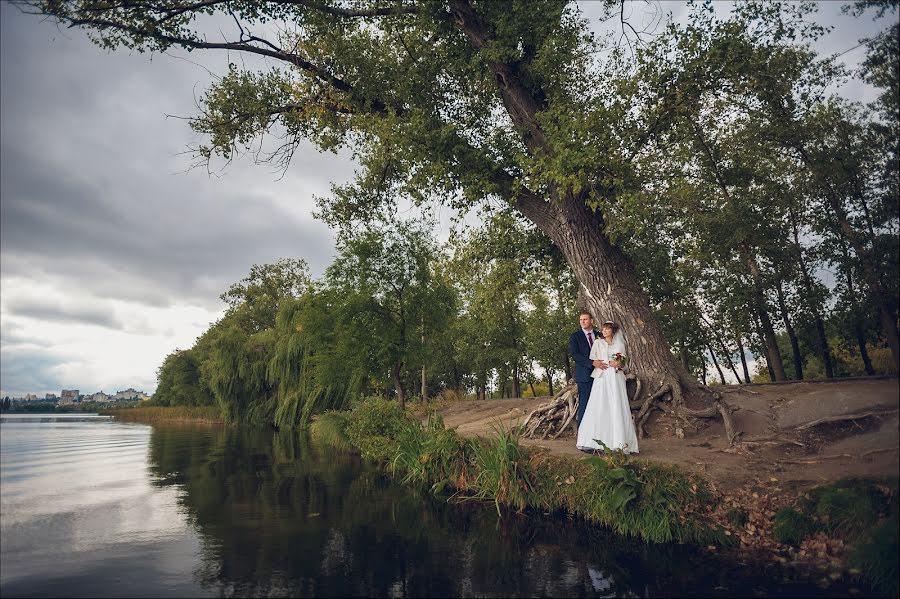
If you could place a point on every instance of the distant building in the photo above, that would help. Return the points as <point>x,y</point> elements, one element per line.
<point>100,397</point>
<point>31,397</point>
<point>128,394</point>
<point>50,397</point>
<point>70,394</point>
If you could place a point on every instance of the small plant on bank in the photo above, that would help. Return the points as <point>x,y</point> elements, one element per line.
<point>737,517</point>
<point>863,512</point>
<point>877,554</point>
<point>790,526</point>
<point>433,454</point>
<point>502,468</point>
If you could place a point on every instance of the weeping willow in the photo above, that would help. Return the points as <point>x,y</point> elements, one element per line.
<point>310,369</point>
<point>236,374</point>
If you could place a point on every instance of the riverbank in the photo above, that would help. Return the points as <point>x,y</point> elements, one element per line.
<point>164,414</point>
<point>812,485</point>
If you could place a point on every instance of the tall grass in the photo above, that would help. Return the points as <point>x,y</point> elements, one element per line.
<point>202,414</point>
<point>655,502</point>
<point>502,469</point>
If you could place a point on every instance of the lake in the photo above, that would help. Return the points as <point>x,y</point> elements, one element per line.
<point>90,507</point>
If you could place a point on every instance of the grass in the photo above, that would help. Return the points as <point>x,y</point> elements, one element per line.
<point>655,502</point>
<point>791,527</point>
<point>201,414</point>
<point>863,512</point>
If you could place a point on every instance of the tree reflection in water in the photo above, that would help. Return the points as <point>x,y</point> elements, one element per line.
<point>279,516</point>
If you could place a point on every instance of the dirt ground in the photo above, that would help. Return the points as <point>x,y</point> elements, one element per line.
<point>777,453</point>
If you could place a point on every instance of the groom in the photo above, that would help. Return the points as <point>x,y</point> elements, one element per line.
<point>580,343</point>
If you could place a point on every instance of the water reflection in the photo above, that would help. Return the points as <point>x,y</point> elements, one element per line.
<point>116,510</point>
<point>278,516</point>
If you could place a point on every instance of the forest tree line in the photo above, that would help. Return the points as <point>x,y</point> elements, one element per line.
<point>710,173</point>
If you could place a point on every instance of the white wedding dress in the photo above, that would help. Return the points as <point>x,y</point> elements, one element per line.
<point>608,416</point>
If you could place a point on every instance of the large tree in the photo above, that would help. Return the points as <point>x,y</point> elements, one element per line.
<point>460,102</point>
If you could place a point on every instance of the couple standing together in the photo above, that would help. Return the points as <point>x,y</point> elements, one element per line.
<point>603,411</point>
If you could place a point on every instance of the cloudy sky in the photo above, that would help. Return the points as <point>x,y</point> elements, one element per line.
<point>113,252</point>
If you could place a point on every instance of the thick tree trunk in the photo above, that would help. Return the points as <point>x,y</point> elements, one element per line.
<point>740,345</point>
<point>550,383</point>
<point>531,386</point>
<point>795,344</point>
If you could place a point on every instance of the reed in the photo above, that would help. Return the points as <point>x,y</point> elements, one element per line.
<point>199,414</point>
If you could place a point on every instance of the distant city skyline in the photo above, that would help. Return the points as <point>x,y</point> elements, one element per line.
<point>113,252</point>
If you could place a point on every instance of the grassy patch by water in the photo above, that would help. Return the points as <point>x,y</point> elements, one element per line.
<point>862,512</point>
<point>658,503</point>
<point>200,414</point>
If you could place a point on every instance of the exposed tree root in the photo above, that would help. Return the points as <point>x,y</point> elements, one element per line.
<point>842,418</point>
<point>553,418</point>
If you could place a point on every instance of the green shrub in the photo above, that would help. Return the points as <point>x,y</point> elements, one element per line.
<point>657,502</point>
<point>790,526</point>
<point>375,427</point>
<point>876,556</point>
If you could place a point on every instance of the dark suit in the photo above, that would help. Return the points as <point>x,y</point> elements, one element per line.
<point>580,352</point>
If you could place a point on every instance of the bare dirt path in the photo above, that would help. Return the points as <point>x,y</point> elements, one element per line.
<point>781,451</point>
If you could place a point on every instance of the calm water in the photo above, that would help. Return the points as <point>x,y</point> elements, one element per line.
<point>91,507</point>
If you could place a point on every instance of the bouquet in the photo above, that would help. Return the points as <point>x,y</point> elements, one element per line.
<point>621,358</point>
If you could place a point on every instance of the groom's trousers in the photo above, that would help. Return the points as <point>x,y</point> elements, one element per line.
<point>584,393</point>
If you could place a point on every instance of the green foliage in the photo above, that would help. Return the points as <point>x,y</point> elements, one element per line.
<point>501,466</point>
<point>330,428</point>
<point>877,555</point>
<point>791,527</point>
<point>737,517</point>
<point>376,426</point>
<point>656,502</point>
<point>431,455</point>
<point>178,382</point>
<point>848,507</point>
<point>256,298</point>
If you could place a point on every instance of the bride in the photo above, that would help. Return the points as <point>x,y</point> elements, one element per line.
<point>608,416</point>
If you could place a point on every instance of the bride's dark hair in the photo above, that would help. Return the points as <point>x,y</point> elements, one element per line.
<point>612,325</point>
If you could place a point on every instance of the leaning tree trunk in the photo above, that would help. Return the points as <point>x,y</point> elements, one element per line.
<point>740,345</point>
<point>824,348</point>
<point>609,289</point>
<point>795,344</point>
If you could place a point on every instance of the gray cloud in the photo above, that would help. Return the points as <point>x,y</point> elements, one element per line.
<point>26,371</point>
<point>54,310</point>
<point>94,193</point>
